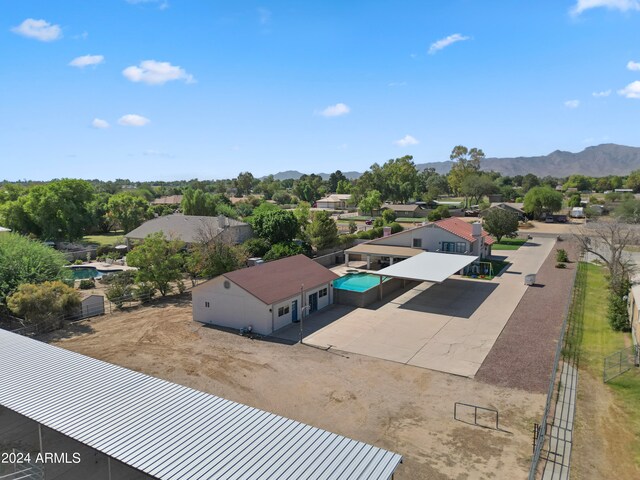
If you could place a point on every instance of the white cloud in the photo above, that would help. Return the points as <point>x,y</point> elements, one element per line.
<point>38,29</point>
<point>162,4</point>
<point>99,123</point>
<point>631,91</point>
<point>335,110</point>
<point>133,120</point>
<point>86,60</point>
<point>156,73</point>
<point>406,141</point>
<point>633,66</point>
<point>264,16</point>
<point>445,42</point>
<point>572,103</point>
<point>604,93</point>
<point>622,5</point>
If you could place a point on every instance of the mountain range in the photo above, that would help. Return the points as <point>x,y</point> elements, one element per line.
<point>596,161</point>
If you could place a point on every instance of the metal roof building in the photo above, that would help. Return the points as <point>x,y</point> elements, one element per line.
<point>428,267</point>
<point>170,431</point>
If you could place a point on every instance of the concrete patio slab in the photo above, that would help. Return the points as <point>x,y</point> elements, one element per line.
<point>450,327</point>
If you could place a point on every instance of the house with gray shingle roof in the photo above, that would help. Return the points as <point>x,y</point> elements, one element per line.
<point>193,229</point>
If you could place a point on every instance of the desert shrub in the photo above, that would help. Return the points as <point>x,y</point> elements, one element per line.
<point>561,255</point>
<point>617,313</point>
<point>284,249</point>
<point>561,265</point>
<point>378,222</point>
<point>87,284</point>
<point>144,291</point>
<point>78,262</point>
<point>396,227</point>
<point>44,302</point>
<point>353,227</point>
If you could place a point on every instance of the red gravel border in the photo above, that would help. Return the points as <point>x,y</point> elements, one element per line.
<point>523,354</point>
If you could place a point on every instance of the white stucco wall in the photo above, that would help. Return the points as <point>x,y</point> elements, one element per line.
<point>232,307</point>
<point>432,238</point>
<point>236,308</point>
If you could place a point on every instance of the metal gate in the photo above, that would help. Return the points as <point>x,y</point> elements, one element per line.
<point>620,362</point>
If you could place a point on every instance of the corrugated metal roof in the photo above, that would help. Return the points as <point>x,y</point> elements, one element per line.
<point>170,431</point>
<point>428,267</point>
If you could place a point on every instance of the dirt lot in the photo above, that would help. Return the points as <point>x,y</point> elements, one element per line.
<point>399,407</point>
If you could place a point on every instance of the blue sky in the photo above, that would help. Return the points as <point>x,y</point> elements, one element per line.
<point>180,89</point>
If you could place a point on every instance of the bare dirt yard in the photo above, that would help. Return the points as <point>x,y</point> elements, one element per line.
<point>399,407</point>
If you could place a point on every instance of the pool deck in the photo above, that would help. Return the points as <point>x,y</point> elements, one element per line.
<point>105,267</point>
<point>450,327</point>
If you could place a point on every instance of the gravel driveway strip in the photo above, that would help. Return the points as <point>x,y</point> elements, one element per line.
<point>522,357</point>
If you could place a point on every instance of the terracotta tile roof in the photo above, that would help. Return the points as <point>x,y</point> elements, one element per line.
<point>281,279</point>
<point>462,229</point>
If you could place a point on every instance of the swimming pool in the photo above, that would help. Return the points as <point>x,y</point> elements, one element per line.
<point>358,282</point>
<point>86,273</point>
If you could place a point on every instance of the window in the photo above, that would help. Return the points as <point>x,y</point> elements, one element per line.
<point>322,293</point>
<point>207,304</point>
<point>454,247</point>
<point>417,243</point>
<point>283,311</point>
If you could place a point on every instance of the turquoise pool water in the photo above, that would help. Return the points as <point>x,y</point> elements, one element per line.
<point>85,273</point>
<point>358,282</point>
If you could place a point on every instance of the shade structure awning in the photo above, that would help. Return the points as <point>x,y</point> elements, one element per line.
<point>169,431</point>
<point>428,267</point>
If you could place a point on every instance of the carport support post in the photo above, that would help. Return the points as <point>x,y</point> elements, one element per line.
<point>109,466</point>
<point>40,437</point>
<point>368,262</point>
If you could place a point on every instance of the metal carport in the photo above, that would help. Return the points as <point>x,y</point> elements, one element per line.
<point>427,267</point>
<point>169,431</point>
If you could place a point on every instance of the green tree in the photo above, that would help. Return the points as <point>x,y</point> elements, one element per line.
<point>476,186</point>
<point>541,200</point>
<point>60,208</point>
<point>198,202</point>
<point>371,202</point>
<point>628,211</point>
<point>282,197</point>
<point>127,210</point>
<point>309,188</point>
<point>574,200</point>
<point>159,261</point>
<point>256,247</point>
<point>44,302</point>
<point>276,226</point>
<point>99,209</point>
<point>26,261</point>
<point>244,183</point>
<point>633,181</point>
<point>303,215</point>
<point>344,186</point>
<point>215,258</point>
<point>529,181</point>
<point>323,231</point>
<point>334,180</point>
<point>499,222</point>
<point>284,249</point>
<point>465,162</point>
<point>388,216</point>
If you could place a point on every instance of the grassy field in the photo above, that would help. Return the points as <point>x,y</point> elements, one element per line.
<point>111,238</point>
<point>508,244</point>
<point>597,341</point>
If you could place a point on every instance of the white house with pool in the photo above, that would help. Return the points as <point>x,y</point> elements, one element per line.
<point>265,297</point>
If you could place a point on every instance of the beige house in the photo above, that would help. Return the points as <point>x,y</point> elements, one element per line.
<point>265,297</point>
<point>335,201</point>
<point>450,235</point>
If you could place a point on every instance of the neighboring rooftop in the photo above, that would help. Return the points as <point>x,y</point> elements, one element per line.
<point>281,279</point>
<point>336,197</point>
<point>462,229</point>
<point>188,228</point>
<point>168,200</point>
<point>170,431</point>
<point>401,207</point>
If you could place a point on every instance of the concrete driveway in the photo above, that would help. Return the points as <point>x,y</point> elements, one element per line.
<point>450,327</point>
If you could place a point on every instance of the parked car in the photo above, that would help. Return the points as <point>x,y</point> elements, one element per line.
<point>369,222</point>
<point>471,212</point>
<point>549,219</point>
